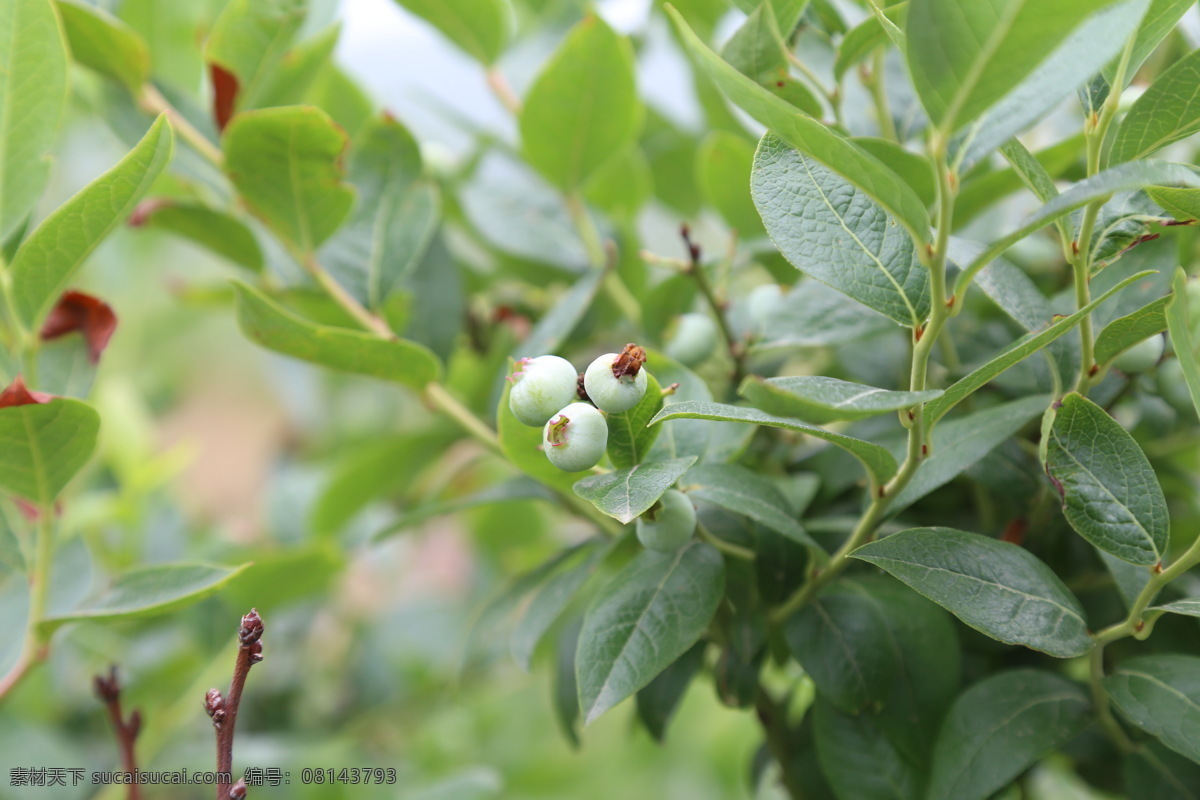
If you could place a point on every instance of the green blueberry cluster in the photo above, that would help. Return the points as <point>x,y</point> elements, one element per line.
<point>570,408</point>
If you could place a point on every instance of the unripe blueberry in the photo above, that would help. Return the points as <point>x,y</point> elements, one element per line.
<point>1172,386</point>
<point>540,387</point>
<point>672,525</point>
<point>1141,357</point>
<point>616,382</point>
<point>576,437</point>
<point>693,340</point>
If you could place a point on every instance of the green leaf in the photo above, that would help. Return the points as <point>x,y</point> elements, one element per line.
<point>960,443</point>
<point>1183,204</point>
<point>550,600</point>
<point>481,28</point>
<point>1152,772</point>
<point>299,69</point>
<point>999,727</point>
<point>583,107</point>
<point>34,86</point>
<point>629,435</point>
<point>879,463</point>
<point>395,218</point>
<point>1094,42</point>
<point>1121,178</point>
<point>398,360</point>
<point>45,445</point>
<point>915,169</point>
<point>747,493</point>
<point>148,591</point>
<point>995,587</point>
<point>626,493</point>
<point>622,185</point>
<point>657,702</point>
<point>1110,494</point>
<point>1161,695</point>
<point>858,759</point>
<point>828,229</point>
<point>1166,112</point>
<point>566,692</point>
<point>865,37</point>
<point>861,169</point>
<point>49,258</point>
<point>215,230</point>
<point>756,50</point>
<point>1124,332</point>
<point>1189,607</point>
<point>285,162</point>
<point>104,43</point>
<point>249,40</point>
<point>1014,354</point>
<point>1180,331</point>
<point>820,400</point>
<point>642,620</point>
<point>963,57</point>
<point>723,164</point>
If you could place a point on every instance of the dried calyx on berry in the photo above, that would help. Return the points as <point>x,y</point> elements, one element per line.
<point>616,382</point>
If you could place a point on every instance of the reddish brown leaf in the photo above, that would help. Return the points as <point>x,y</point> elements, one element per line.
<point>18,394</point>
<point>225,92</point>
<point>88,315</point>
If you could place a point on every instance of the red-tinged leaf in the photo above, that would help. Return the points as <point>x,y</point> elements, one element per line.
<point>225,92</point>
<point>90,316</point>
<point>18,394</point>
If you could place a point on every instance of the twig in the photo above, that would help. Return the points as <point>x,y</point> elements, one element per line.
<point>108,689</point>
<point>695,269</point>
<point>152,101</point>
<point>503,91</point>
<point>223,710</point>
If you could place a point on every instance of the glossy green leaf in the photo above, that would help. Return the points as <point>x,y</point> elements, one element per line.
<point>859,168</point>
<point>626,493</point>
<point>828,229</point>
<point>1098,38</point>
<point>629,435</point>
<point>879,463</point>
<point>548,602</point>
<point>33,85</point>
<point>1157,23</point>
<point>723,164</point>
<point>398,360</point>
<point>148,591</point>
<point>957,445</point>
<point>49,258</point>
<point>394,220</point>
<point>1110,493</point>
<point>659,700</point>
<point>995,587</point>
<point>756,49</point>
<point>1166,112</point>
<point>286,163</point>
<point>642,620</point>
<point>583,107</point>
<point>963,57</point>
<point>104,43</point>
<point>1124,332</point>
<point>45,445</point>
<point>1161,695</point>
<point>1017,352</point>
<point>249,40</point>
<point>481,28</point>
<point>1179,328</point>
<point>747,493</point>
<point>999,727</point>
<point>215,230</point>
<point>1121,178</point>
<point>820,400</point>
<point>858,760</point>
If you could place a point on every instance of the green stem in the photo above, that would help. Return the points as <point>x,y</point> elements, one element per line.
<point>602,257</point>
<point>152,101</point>
<point>36,647</point>
<point>883,111</point>
<point>436,395</point>
<point>729,548</point>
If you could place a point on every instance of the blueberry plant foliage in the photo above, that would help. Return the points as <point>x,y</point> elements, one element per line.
<point>906,466</point>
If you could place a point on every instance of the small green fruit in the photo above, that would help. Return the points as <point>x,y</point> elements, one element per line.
<point>693,340</point>
<point>1172,386</point>
<point>1141,357</point>
<point>616,382</point>
<point>540,387</point>
<point>672,525</point>
<point>576,437</point>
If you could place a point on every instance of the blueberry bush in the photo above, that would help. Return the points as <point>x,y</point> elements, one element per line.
<point>834,358</point>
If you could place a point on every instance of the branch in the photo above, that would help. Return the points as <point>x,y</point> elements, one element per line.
<point>108,689</point>
<point>223,710</point>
